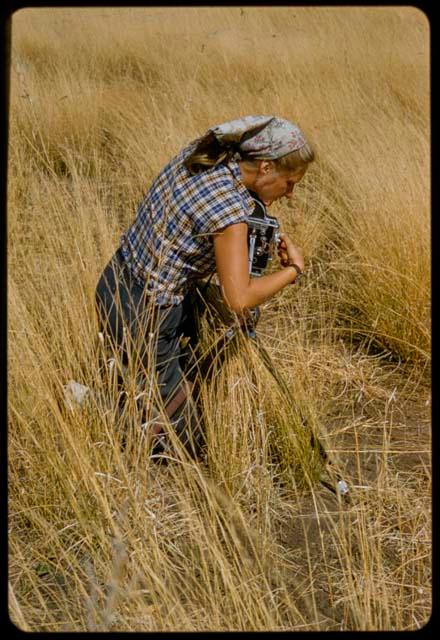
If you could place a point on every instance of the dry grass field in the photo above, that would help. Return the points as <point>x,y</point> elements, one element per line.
<point>100,537</point>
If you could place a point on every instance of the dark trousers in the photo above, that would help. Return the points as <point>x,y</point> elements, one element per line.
<point>149,337</point>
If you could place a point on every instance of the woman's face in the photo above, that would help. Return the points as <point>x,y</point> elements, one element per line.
<point>272,183</point>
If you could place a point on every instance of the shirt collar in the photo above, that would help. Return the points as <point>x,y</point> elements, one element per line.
<point>235,170</point>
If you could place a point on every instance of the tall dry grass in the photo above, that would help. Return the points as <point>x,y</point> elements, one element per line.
<point>102,538</point>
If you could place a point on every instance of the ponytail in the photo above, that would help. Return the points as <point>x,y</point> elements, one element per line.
<point>208,153</point>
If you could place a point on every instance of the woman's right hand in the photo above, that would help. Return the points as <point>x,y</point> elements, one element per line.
<point>289,253</point>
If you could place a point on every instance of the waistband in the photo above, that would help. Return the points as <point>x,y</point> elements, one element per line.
<point>119,257</point>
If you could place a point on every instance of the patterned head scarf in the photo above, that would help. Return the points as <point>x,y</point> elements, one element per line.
<point>257,137</point>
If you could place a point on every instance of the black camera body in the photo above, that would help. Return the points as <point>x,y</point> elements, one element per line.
<point>263,237</point>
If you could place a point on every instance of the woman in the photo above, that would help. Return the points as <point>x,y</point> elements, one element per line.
<point>191,223</point>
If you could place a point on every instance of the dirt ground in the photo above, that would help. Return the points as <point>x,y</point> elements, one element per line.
<point>408,459</point>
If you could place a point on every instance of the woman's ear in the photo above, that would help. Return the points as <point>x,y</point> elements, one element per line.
<point>266,167</point>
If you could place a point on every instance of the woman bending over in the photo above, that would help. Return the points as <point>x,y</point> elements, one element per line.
<point>191,223</point>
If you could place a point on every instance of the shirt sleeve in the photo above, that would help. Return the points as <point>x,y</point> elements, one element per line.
<point>220,206</point>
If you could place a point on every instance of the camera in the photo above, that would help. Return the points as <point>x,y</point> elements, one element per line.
<point>263,237</point>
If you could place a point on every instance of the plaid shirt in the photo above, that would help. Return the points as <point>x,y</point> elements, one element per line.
<point>170,242</point>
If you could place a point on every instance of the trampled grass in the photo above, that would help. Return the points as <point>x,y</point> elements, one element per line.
<point>100,536</point>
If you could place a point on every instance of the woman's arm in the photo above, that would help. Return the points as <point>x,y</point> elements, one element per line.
<point>239,290</point>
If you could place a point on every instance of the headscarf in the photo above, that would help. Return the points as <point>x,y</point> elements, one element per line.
<point>260,136</point>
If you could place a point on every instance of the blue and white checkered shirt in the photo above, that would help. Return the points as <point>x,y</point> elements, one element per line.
<point>170,242</point>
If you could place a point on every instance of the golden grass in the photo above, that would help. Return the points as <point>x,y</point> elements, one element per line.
<point>102,538</point>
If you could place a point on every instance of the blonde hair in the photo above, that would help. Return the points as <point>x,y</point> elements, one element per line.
<point>209,152</point>
<point>296,159</point>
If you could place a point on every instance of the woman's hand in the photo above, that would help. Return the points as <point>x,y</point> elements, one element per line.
<point>288,252</point>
